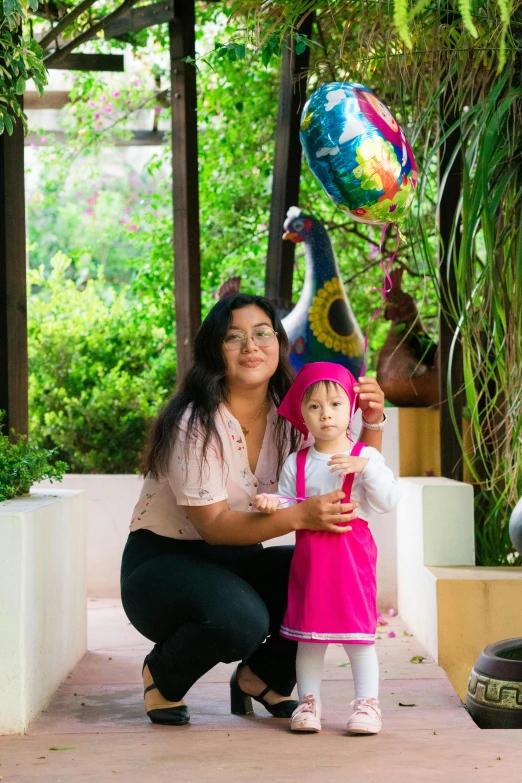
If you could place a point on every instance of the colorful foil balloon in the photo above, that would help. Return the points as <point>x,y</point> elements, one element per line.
<point>359,153</point>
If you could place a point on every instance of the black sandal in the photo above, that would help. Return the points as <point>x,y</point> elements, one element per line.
<point>168,716</point>
<point>241,702</point>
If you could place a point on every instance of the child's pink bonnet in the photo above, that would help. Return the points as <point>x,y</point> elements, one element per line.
<point>315,372</point>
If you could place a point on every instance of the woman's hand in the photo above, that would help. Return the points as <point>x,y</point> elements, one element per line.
<point>268,504</point>
<point>346,464</point>
<point>371,399</point>
<point>325,512</point>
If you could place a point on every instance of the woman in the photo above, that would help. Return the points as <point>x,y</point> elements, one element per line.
<point>195,579</point>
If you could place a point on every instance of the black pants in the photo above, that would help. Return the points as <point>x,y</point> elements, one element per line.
<point>204,604</point>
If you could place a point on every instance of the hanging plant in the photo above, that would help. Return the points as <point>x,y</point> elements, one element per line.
<point>20,60</point>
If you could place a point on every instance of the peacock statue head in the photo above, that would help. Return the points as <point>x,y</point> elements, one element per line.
<point>300,227</point>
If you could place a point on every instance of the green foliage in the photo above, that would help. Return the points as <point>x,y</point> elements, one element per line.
<point>487,262</point>
<point>424,33</point>
<point>22,463</point>
<point>20,60</point>
<point>101,363</point>
<point>76,204</point>
<point>400,19</point>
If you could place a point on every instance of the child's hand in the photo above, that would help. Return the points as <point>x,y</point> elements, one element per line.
<point>346,464</point>
<point>266,503</point>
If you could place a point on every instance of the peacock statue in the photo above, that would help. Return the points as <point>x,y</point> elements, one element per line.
<point>321,326</point>
<point>407,367</point>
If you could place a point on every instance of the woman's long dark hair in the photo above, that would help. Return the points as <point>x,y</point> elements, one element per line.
<point>205,388</point>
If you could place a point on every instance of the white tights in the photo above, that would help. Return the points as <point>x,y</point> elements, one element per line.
<point>363,660</point>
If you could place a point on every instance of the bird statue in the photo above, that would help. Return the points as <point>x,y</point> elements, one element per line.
<point>407,367</point>
<point>322,326</point>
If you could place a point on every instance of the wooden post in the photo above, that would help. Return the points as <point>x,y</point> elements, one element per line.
<point>287,167</point>
<point>13,298</point>
<point>451,460</point>
<point>187,283</point>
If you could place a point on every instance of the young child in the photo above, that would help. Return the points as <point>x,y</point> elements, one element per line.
<point>332,585</point>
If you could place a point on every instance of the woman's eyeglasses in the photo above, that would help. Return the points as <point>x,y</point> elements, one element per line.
<point>263,337</point>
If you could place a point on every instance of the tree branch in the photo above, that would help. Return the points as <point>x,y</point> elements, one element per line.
<point>350,228</point>
<point>325,50</point>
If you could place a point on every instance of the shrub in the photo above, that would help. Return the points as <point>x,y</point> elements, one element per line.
<point>22,463</point>
<point>100,365</point>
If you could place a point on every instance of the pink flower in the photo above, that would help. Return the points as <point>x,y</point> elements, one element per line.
<point>124,221</point>
<point>108,108</point>
<point>96,115</point>
<point>391,635</point>
<point>91,104</point>
<point>32,145</point>
<point>44,139</point>
<point>392,612</point>
<point>157,109</point>
<point>133,227</point>
<point>116,94</point>
<point>103,98</point>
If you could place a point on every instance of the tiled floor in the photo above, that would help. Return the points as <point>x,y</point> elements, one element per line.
<point>97,717</point>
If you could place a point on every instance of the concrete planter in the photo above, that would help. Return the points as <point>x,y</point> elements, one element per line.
<point>454,607</point>
<point>43,607</point>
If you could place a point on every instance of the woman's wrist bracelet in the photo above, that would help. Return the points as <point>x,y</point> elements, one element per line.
<point>378,427</point>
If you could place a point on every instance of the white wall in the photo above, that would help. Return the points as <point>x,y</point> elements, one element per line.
<point>43,607</point>
<point>110,502</point>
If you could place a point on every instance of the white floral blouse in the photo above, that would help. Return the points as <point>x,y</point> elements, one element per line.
<point>161,507</point>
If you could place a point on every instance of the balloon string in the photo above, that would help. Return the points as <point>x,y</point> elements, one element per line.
<point>286,497</point>
<point>387,286</point>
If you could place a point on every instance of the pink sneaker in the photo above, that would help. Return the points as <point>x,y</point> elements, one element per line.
<point>307,716</point>
<point>366,718</point>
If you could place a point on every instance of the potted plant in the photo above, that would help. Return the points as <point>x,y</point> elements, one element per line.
<point>22,463</point>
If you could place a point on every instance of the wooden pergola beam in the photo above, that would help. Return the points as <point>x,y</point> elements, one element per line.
<point>287,167</point>
<point>88,62</point>
<point>13,302</point>
<point>64,22</point>
<point>139,139</point>
<point>87,35</point>
<point>51,99</point>
<point>185,194</point>
<point>450,350</point>
<point>135,19</point>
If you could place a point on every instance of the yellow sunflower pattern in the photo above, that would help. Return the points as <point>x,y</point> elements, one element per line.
<point>331,293</point>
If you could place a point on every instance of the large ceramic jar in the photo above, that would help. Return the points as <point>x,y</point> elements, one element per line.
<point>494,696</point>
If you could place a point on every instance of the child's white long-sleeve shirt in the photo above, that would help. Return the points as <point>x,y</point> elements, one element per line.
<point>375,489</point>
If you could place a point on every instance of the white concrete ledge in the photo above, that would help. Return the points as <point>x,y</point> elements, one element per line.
<point>435,527</point>
<point>43,607</point>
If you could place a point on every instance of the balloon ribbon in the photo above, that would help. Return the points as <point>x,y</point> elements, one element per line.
<point>387,286</point>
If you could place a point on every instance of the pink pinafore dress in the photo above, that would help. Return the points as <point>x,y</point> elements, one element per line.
<point>332,585</point>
